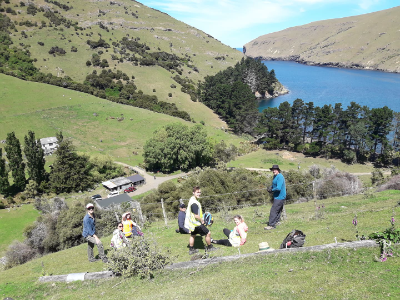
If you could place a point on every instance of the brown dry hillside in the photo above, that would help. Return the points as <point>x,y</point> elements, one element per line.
<point>370,41</point>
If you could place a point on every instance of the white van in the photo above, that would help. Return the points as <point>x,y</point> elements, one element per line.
<point>112,194</point>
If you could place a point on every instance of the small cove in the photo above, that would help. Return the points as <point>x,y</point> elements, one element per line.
<point>325,85</point>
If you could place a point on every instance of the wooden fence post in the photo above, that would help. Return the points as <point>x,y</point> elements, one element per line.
<point>181,201</point>
<point>163,210</point>
<point>116,216</point>
<point>136,205</point>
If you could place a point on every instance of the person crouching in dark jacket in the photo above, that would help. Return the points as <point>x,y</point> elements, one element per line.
<point>181,220</point>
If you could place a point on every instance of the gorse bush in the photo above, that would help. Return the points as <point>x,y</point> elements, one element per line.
<point>141,258</point>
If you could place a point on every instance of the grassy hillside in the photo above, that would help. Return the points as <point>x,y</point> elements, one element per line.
<point>369,41</point>
<point>317,275</point>
<point>45,109</point>
<point>112,21</point>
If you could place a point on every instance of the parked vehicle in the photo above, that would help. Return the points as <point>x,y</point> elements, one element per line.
<point>130,189</point>
<point>112,194</point>
<point>96,197</point>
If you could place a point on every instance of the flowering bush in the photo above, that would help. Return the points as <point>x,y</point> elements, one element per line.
<point>385,240</point>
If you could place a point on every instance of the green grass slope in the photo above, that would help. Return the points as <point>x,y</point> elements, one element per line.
<point>337,274</point>
<point>122,18</point>
<point>369,41</point>
<point>12,223</point>
<point>46,109</point>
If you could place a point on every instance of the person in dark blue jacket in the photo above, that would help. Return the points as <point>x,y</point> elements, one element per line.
<point>89,233</point>
<point>181,220</point>
<point>279,191</point>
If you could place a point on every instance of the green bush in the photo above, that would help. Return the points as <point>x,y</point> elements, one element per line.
<point>141,258</point>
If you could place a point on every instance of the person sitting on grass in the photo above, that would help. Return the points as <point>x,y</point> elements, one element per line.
<point>131,229</point>
<point>181,220</point>
<point>237,236</point>
<point>118,239</point>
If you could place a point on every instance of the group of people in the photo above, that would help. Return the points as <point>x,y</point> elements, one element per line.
<point>190,221</point>
<point>126,230</point>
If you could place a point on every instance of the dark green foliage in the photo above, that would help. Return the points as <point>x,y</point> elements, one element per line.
<point>57,20</point>
<point>69,226</point>
<point>100,43</point>
<point>224,153</point>
<point>35,160</point>
<point>31,9</point>
<point>141,258</point>
<point>74,49</point>
<point>188,86</point>
<point>177,147</point>
<point>70,171</point>
<point>230,93</point>
<point>14,156</point>
<point>298,185</point>
<point>60,5</point>
<point>4,184</point>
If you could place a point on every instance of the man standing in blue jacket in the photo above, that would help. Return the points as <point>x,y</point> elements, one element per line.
<point>89,233</point>
<point>279,191</point>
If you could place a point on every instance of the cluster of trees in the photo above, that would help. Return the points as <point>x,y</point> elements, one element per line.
<point>70,171</point>
<point>180,147</point>
<point>354,134</point>
<point>230,93</point>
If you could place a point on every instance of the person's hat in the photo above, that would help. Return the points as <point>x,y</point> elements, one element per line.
<point>182,205</point>
<point>275,167</point>
<point>89,205</point>
<point>125,214</point>
<point>262,247</point>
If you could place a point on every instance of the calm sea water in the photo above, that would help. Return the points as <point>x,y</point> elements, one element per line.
<point>323,85</point>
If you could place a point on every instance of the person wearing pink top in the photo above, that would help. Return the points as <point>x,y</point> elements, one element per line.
<point>237,236</point>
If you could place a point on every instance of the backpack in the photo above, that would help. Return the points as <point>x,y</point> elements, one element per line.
<point>208,219</point>
<point>295,239</point>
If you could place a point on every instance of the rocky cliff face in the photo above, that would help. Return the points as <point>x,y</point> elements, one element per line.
<point>370,41</point>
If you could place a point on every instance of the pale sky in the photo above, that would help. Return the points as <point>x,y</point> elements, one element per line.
<point>236,22</point>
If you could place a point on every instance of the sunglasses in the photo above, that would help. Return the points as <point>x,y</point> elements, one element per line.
<point>90,208</point>
<point>120,226</point>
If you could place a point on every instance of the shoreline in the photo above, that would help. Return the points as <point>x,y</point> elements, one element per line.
<point>338,65</point>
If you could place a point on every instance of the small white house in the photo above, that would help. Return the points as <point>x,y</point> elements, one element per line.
<point>49,145</point>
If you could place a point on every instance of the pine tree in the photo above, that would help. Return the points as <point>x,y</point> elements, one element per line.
<point>14,156</point>
<point>70,172</point>
<point>4,184</point>
<point>35,158</point>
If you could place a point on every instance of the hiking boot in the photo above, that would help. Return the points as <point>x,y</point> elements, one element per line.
<point>211,248</point>
<point>177,230</point>
<point>94,260</point>
<point>269,227</point>
<point>193,251</point>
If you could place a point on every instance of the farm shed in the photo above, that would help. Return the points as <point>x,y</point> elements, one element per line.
<point>117,184</point>
<point>137,179</point>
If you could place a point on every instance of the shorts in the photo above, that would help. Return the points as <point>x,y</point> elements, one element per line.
<point>202,230</point>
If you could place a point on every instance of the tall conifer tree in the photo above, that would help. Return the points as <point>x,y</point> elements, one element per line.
<point>14,156</point>
<point>35,158</point>
<point>4,184</point>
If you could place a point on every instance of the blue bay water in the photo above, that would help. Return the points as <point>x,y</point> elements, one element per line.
<point>324,85</point>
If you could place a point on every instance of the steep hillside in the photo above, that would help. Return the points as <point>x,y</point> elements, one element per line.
<point>89,121</point>
<point>150,47</point>
<point>370,41</point>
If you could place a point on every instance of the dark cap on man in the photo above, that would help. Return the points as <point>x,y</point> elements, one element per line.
<point>182,205</point>
<point>275,167</point>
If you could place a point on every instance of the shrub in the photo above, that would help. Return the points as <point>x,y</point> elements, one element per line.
<point>377,177</point>
<point>169,94</point>
<point>392,184</point>
<point>18,253</point>
<point>141,259</point>
<point>69,226</point>
<point>337,184</point>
